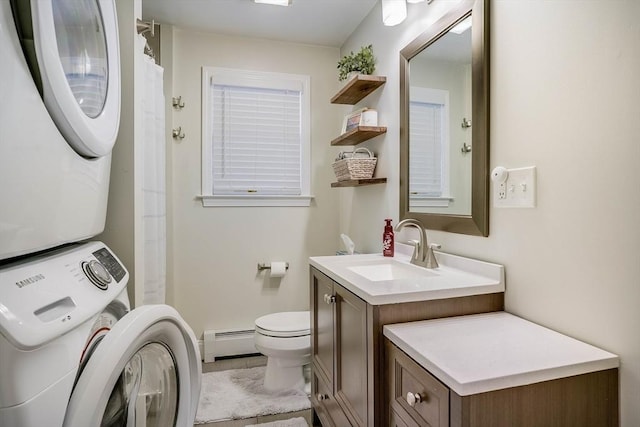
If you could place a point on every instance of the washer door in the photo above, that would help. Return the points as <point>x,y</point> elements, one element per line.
<point>76,43</point>
<point>145,372</point>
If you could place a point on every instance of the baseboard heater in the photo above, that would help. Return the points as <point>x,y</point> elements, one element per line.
<point>228,342</point>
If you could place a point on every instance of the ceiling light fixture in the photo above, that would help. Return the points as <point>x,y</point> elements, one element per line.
<point>276,2</point>
<point>393,12</point>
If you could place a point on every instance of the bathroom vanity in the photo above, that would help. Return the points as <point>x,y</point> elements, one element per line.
<point>498,370</point>
<point>353,297</point>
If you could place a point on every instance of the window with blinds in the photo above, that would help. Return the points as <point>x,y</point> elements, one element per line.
<point>256,148</point>
<point>425,138</point>
<point>256,140</point>
<point>428,144</point>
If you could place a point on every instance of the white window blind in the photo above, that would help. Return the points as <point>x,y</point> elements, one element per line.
<point>256,137</point>
<point>429,146</point>
<point>425,136</point>
<point>256,140</point>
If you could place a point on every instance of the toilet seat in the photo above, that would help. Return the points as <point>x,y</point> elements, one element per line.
<point>285,339</point>
<point>283,325</point>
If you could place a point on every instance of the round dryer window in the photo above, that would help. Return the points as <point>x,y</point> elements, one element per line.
<point>146,389</point>
<point>78,60</point>
<point>82,49</point>
<point>145,371</point>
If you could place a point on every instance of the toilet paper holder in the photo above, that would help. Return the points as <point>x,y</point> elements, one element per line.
<point>265,266</point>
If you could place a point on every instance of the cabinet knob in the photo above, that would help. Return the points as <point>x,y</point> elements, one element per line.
<point>413,398</point>
<point>321,397</point>
<point>329,299</point>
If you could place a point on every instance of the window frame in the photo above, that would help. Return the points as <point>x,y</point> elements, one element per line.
<point>260,79</point>
<point>439,97</point>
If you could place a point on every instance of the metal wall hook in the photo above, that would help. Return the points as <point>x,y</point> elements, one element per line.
<point>466,123</point>
<point>465,148</point>
<point>177,133</point>
<point>177,103</point>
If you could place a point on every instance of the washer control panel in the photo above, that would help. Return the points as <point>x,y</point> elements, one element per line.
<point>101,270</point>
<point>110,263</point>
<point>47,295</point>
<point>97,274</point>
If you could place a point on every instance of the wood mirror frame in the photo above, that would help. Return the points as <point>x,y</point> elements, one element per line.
<point>477,223</point>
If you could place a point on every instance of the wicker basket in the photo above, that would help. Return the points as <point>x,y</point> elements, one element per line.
<point>355,167</point>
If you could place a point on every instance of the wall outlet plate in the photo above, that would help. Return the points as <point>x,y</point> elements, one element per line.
<point>518,190</point>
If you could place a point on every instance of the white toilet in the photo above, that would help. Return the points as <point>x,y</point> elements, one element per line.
<point>284,338</point>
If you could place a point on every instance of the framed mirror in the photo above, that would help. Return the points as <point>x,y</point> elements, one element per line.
<point>444,123</point>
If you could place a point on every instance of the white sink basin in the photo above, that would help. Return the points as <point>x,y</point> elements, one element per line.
<point>380,280</point>
<point>389,269</point>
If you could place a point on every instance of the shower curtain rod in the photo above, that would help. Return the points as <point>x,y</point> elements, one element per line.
<point>145,26</point>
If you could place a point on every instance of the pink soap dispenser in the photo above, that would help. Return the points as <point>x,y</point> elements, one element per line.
<point>387,239</point>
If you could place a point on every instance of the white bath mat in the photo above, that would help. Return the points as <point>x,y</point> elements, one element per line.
<point>292,422</point>
<point>239,393</point>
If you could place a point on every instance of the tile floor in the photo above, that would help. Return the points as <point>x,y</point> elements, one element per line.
<point>241,363</point>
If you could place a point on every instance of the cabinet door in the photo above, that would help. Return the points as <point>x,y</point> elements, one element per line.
<point>396,420</point>
<point>327,409</point>
<point>322,334</point>
<point>351,355</point>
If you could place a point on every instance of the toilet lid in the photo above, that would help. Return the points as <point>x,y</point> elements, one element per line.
<point>286,324</point>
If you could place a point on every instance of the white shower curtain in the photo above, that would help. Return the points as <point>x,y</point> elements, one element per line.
<point>153,182</point>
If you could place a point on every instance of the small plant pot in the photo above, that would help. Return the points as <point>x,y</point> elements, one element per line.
<point>352,75</point>
<point>363,62</point>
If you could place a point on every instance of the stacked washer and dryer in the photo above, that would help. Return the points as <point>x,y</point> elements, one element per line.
<point>72,352</point>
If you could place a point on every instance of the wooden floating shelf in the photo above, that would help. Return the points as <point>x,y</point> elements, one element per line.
<point>357,88</point>
<point>358,182</point>
<point>359,134</point>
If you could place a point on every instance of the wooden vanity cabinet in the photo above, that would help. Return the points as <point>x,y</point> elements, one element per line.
<point>587,400</point>
<point>347,347</point>
<point>339,352</point>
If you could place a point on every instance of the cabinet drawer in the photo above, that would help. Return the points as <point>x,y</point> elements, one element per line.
<point>413,392</point>
<point>325,405</point>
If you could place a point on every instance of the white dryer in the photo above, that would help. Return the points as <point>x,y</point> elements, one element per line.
<point>73,354</point>
<point>59,118</point>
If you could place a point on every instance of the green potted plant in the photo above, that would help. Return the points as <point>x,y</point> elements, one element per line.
<point>362,62</point>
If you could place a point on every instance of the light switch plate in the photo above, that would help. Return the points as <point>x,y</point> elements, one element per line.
<point>518,191</point>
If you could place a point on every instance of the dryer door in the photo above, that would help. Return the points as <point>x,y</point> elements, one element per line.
<point>76,43</point>
<point>146,371</point>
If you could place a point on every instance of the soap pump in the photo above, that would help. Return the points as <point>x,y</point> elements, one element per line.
<point>387,239</point>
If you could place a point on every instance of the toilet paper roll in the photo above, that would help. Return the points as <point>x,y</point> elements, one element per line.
<point>278,268</point>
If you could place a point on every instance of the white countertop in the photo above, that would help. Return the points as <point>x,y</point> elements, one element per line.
<point>456,277</point>
<point>492,351</point>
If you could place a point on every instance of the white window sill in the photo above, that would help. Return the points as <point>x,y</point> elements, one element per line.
<point>430,202</point>
<point>255,201</point>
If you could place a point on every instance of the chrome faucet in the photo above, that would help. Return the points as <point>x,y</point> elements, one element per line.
<point>423,253</point>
